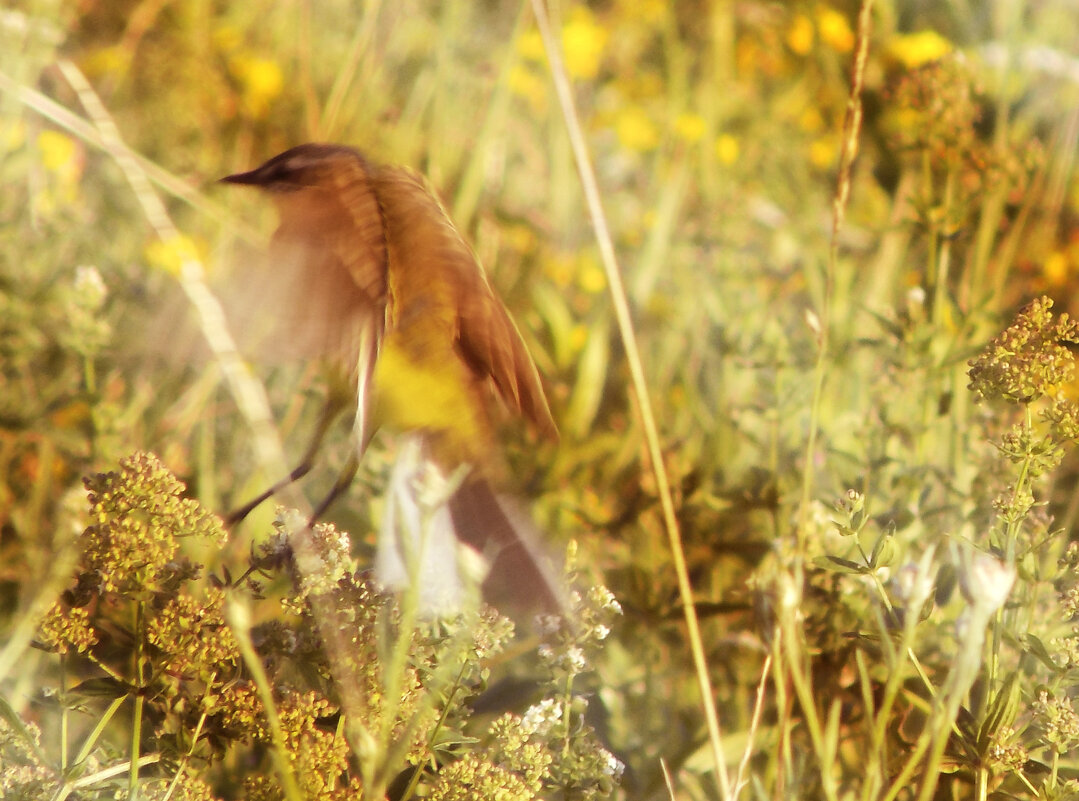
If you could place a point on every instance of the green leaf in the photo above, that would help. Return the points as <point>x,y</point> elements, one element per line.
<point>883,551</point>
<point>840,565</point>
<point>1036,647</point>
<point>101,687</point>
<point>591,380</point>
<point>1001,712</point>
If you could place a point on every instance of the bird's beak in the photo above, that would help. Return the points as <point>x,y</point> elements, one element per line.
<point>251,178</point>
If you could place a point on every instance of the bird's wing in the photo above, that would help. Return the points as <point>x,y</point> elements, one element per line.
<point>325,290</point>
<point>487,339</point>
<point>491,343</point>
<point>362,247</point>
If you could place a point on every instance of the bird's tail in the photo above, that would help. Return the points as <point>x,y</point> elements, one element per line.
<point>450,536</point>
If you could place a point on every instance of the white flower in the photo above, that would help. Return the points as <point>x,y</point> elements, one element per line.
<point>540,718</point>
<point>987,582</point>
<point>90,287</point>
<point>614,767</point>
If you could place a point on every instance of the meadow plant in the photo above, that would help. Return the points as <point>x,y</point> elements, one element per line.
<point>147,641</point>
<point>871,469</point>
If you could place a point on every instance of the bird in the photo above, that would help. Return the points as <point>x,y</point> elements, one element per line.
<point>383,287</point>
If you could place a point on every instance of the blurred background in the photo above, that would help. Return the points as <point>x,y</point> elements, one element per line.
<point>715,130</point>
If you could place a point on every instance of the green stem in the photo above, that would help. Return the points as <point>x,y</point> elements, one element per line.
<point>64,716</point>
<point>140,701</point>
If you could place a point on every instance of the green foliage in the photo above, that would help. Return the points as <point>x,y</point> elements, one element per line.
<point>916,638</point>
<point>145,633</point>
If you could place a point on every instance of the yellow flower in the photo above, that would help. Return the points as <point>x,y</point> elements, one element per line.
<point>12,135</point>
<point>62,158</point>
<point>530,46</point>
<point>260,80</point>
<point>834,29</point>
<point>57,150</point>
<point>590,276</point>
<point>1055,268</point>
<point>520,238</point>
<point>915,49</point>
<point>635,129</point>
<point>822,153</point>
<point>689,127</point>
<point>583,42</point>
<point>169,255</point>
<point>559,269</point>
<point>727,149</point>
<point>810,119</point>
<point>800,35</point>
<point>524,83</point>
<point>578,337</point>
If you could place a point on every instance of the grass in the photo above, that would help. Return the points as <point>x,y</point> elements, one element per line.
<point>843,439</point>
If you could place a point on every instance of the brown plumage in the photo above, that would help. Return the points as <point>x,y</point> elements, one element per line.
<point>387,289</point>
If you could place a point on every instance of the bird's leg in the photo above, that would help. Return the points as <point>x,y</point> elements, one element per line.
<point>335,404</point>
<point>344,481</point>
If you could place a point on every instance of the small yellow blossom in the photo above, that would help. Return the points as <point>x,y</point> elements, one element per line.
<point>170,255</point>
<point>915,49</point>
<point>560,270</point>
<point>834,29</point>
<point>800,34</point>
<point>59,153</point>
<point>590,277</point>
<point>520,238</point>
<point>530,46</point>
<point>260,80</point>
<point>1055,268</point>
<point>689,127</point>
<point>822,153</point>
<point>583,42</point>
<point>727,149</point>
<point>12,135</point>
<point>810,120</point>
<point>635,130</point>
<point>524,83</point>
<point>578,337</point>
<point>62,158</point>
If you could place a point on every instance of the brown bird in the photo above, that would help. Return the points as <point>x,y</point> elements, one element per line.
<point>387,290</point>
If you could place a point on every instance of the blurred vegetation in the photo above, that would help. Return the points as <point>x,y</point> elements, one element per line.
<point>869,450</point>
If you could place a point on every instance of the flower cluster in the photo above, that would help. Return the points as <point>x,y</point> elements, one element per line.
<point>936,109</point>
<point>474,778</point>
<point>138,519</point>
<point>568,640</point>
<point>1058,719</point>
<point>317,753</point>
<point>66,628</point>
<point>1029,360</point>
<point>22,773</point>
<point>193,637</point>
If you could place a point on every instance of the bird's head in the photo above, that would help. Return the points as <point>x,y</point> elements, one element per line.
<point>304,167</point>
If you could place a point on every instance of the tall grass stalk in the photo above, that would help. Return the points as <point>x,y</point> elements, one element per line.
<point>640,385</point>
